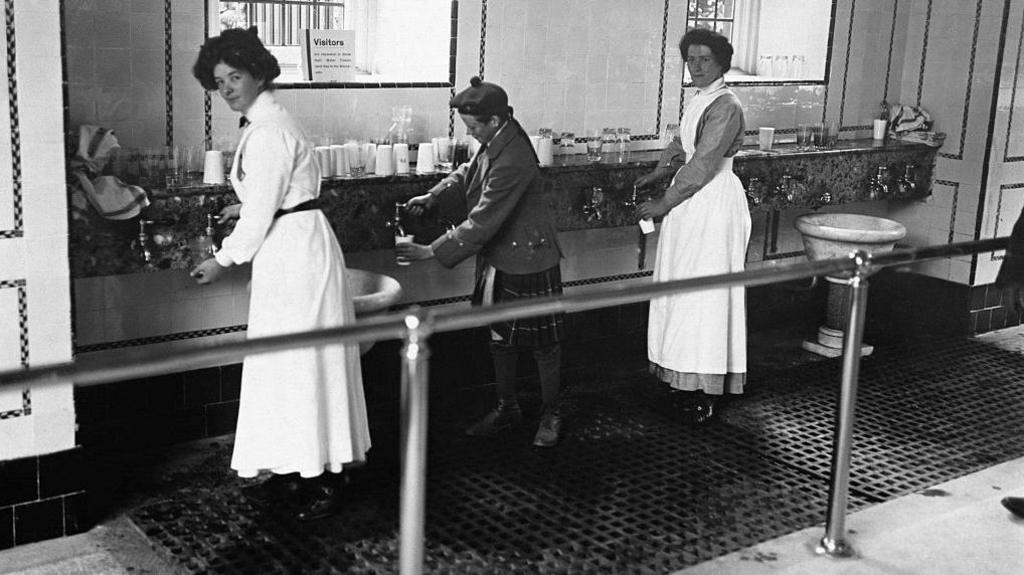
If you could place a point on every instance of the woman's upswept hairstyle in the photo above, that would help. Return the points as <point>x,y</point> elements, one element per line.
<point>719,45</point>
<point>240,49</point>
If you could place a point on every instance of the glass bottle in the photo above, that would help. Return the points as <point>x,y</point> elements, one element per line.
<point>905,184</point>
<point>883,111</point>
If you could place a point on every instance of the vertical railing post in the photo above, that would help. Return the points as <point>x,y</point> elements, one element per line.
<point>834,542</point>
<point>412,518</point>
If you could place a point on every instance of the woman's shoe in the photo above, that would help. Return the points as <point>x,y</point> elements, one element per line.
<point>704,409</point>
<point>324,498</point>
<point>499,419</point>
<point>279,487</point>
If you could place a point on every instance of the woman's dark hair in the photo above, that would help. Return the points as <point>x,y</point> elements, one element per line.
<point>719,45</point>
<point>240,49</point>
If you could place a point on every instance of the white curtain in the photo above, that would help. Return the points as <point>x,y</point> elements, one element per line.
<point>745,35</point>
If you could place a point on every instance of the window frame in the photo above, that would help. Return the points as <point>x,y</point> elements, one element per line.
<point>213,27</point>
<point>692,20</point>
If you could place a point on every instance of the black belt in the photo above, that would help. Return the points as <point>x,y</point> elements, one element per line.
<point>313,204</point>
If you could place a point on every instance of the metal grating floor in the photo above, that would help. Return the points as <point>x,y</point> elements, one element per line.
<point>630,489</point>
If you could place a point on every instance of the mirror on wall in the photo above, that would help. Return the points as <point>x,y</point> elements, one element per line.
<point>389,41</point>
<point>769,47</point>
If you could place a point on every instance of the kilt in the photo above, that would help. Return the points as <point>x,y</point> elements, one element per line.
<point>530,331</point>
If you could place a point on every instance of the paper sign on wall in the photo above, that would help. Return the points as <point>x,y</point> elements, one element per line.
<point>328,55</point>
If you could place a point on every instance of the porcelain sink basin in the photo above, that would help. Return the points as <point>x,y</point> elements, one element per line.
<point>372,293</point>
<point>829,236</point>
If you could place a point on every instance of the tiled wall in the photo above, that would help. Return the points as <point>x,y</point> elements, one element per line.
<point>38,497</point>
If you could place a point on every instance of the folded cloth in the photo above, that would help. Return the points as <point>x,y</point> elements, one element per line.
<point>108,195</point>
<point>909,119</point>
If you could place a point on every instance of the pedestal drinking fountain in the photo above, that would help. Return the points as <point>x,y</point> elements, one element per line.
<point>372,293</point>
<point>828,236</point>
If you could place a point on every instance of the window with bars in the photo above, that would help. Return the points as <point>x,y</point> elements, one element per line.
<point>717,15</point>
<point>766,48</point>
<point>378,26</point>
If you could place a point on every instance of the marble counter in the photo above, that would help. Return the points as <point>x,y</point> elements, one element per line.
<point>584,195</point>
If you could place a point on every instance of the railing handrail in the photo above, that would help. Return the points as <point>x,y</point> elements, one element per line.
<point>144,363</point>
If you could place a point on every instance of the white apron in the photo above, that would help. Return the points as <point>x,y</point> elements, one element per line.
<point>302,410</point>
<point>694,340</point>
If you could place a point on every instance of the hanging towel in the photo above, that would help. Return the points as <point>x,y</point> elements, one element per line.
<point>108,195</point>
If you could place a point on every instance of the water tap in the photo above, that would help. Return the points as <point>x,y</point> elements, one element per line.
<point>593,207</point>
<point>143,245</point>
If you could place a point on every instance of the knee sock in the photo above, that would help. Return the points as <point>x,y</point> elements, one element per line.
<point>505,358</point>
<point>549,371</point>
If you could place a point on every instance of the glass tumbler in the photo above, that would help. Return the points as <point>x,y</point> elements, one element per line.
<point>623,145</point>
<point>594,143</point>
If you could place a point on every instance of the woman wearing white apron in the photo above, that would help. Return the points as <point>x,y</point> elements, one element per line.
<point>301,414</point>
<point>696,342</point>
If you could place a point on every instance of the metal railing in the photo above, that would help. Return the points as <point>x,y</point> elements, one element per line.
<point>416,325</point>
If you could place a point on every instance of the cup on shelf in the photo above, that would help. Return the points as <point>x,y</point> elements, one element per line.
<point>444,149</point>
<point>425,158</point>
<point>384,165</point>
<point>594,142</point>
<point>354,158</point>
<point>765,138</point>
<point>879,128</point>
<point>804,136</point>
<point>213,167</point>
<point>401,150</point>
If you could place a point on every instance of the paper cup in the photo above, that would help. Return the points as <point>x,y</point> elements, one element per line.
<point>213,167</point>
<point>765,138</point>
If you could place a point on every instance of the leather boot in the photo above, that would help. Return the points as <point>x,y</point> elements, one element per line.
<point>550,428</point>
<point>506,416</point>
<point>324,497</point>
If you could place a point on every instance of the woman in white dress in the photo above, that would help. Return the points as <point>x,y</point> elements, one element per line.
<point>696,342</point>
<point>302,414</point>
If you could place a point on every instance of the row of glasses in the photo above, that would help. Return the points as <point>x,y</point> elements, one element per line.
<point>611,143</point>
<point>161,166</point>
<point>818,136</point>
<point>781,65</point>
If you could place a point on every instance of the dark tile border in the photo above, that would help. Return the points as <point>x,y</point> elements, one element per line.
<point>12,97</point>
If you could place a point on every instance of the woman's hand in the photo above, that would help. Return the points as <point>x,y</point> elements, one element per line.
<point>652,209</point>
<point>413,252</point>
<point>416,206</point>
<point>229,214</point>
<point>648,180</point>
<point>207,272</point>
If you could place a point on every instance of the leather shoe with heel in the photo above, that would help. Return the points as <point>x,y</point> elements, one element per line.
<point>549,430</point>
<point>324,498</point>
<point>499,419</point>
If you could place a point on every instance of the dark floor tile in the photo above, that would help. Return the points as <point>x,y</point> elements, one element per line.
<point>61,473</point>
<point>202,386</point>
<point>230,381</point>
<point>38,521</point>
<point>19,480</point>
<point>6,527</point>
<point>221,418</point>
<point>76,515</point>
<point>91,404</point>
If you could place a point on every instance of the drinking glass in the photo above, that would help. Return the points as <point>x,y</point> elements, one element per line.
<point>609,139</point>
<point>623,144</point>
<point>804,137</point>
<point>594,142</point>
<point>444,149</point>
<point>567,143</point>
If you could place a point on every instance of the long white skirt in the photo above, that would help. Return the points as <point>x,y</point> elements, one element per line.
<point>698,340</point>
<point>302,410</point>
